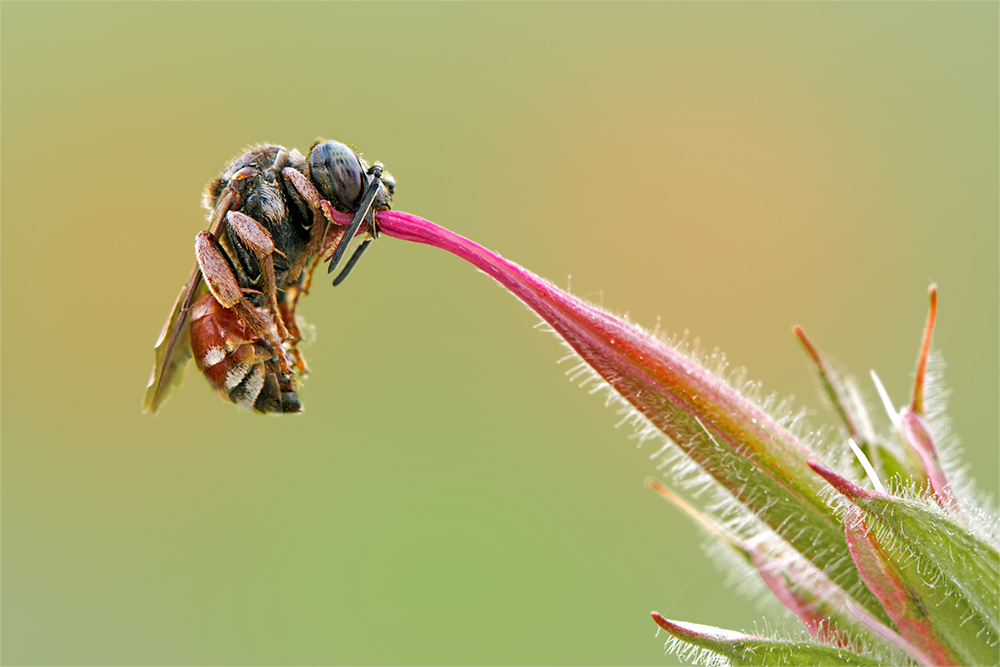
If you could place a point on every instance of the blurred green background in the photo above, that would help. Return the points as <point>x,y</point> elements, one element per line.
<point>448,497</point>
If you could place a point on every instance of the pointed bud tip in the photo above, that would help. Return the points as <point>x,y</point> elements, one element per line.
<point>807,344</point>
<point>701,635</point>
<point>917,403</point>
<point>844,486</point>
<point>667,625</point>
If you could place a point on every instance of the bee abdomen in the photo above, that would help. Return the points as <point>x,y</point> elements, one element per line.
<point>271,398</point>
<point>240,366</point>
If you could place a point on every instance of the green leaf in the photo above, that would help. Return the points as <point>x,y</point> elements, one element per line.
<point>706,642</point>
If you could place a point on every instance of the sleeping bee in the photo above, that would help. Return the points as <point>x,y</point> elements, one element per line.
<point>267,233</point>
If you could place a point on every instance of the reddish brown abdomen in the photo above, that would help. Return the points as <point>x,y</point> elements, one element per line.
<point>242,367</point>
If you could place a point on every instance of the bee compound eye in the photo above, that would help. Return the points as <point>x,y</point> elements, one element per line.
<point>337,172</point>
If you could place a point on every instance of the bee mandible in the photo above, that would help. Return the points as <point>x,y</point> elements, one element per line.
<point>267,233</point>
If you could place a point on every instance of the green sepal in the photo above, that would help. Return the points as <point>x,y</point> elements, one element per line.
<point>937,579</point>
<point>930,549</point>
<point>826,610</point>
<point>741,649</point>
<point>842,397</point>
<point>892,471</point>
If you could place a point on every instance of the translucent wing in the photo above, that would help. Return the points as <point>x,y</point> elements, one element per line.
<point>173,348</point>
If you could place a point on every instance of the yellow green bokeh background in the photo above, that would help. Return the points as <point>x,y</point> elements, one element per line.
<point>448,497</point>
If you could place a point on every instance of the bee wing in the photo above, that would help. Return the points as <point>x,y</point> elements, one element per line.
<point>173,348</point>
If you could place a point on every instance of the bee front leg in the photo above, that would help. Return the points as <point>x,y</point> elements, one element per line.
<point>308,192</point>
<point>256,237</point>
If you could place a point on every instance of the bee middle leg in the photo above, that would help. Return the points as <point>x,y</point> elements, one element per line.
<point>256,237</point>
<point>287,306</point>
<point>224,287</point>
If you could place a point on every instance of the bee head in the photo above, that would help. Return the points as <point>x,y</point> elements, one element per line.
<point>337,172</point>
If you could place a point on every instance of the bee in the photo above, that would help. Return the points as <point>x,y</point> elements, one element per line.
<point>267,233</point>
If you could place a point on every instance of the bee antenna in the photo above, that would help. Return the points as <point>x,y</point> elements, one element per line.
<point>351,262</point>
<point>363,211</point>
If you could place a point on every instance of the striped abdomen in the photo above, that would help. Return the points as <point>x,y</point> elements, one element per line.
<point>241,366</point>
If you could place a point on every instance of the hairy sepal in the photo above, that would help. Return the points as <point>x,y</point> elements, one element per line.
<point>842,397</point>
<point>936,578</point>
<point>824,608</point>
<point>708,645</point>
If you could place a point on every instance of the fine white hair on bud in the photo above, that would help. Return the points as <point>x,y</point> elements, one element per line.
<point>762,477</point>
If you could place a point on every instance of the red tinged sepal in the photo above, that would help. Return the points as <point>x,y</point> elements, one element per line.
<point>844,399</point>
<point>925,349</point>
<point>694,641</point>
<point>835,392</point>
<point>917,435</point>
<point>921,457</point>
<point>845,486</point>
<point>935,578</point>
<point>913,428</point>
<point>825,609</point>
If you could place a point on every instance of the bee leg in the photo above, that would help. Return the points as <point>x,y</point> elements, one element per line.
<point>226,290</point>
<point>281,160</point>
<point>229,198</point>
<point>258,240</point>
<point>301,186</point>
<point>287,307</point>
